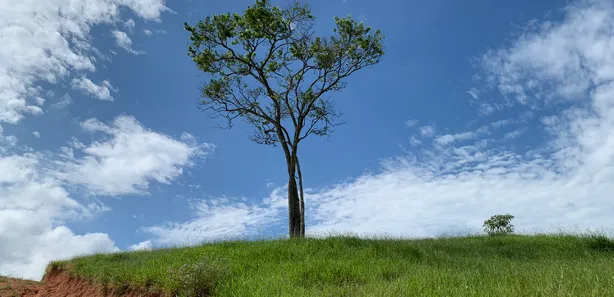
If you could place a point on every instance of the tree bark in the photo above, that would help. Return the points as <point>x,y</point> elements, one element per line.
<point>301,196</point>
<point>294,210</point>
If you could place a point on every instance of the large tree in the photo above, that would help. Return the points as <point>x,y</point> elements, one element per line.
<point>267,67</point>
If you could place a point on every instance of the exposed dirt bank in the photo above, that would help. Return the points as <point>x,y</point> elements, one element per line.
<point>60,284</point>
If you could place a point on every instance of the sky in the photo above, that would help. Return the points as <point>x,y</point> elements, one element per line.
<point>476,109</point>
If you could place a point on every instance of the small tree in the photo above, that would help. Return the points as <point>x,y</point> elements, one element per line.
<point>267,67</point>
<point>499,225</point>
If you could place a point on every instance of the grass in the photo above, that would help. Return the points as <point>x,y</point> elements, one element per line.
<point>512,265</point>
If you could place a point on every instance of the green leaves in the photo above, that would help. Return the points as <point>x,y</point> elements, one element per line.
<point>275,51</point>
<point>216,89</point>
<point>360,43</point>
<point>499,225</point>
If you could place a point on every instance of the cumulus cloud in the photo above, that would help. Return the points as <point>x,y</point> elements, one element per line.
<point>52,45</point>
<point>50,42</point>
<point>125,160</point>
<point>147,9</point>
<point>147,32</point>
<point>122,40</point>
<point>566,182</point>
<point>129,158</point>
<point>31,251</point>
<point>129,24</point>
<point>27,245</point>
<point>36,134</point>
<point>102,91</point>
<point>141,246</point>
<point>8,141</point>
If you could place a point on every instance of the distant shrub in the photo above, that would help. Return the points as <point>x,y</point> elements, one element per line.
<point>499,225</point>
<point>199,279</point>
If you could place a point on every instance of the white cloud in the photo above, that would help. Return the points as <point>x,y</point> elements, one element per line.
<point>427,131</point>
<point>566,182</point>
<point>36,134</point>
<point>129,24</point>
<point>486,109</point>
<point>63,102</point>
<point>566,63</point>
<point>414,141</point>
<point>222,218</point>
<point>147,9</point>
<point>122,40</point>
<point>102,91</point>
<point>27,245</point>
<point>411,123</point>
<point>32,245</point>
<point>459,187</point>
<point>450,138</point>
<point>188,138</point>
<point>527,115</point>
<point>515,133</point>
<point>147,32</point>
<point>475,93</point>
<point>141,246</point>
<point>48,41</point>
<point>11,140</point>
<point>502,123</point>
<point>130,158</point>
<point>39,100</point>
<point>34,185</point>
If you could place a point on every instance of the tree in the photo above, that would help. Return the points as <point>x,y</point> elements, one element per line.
<point>499,225</point>
<point>267,67</point>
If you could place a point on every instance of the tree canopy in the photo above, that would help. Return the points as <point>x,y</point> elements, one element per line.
<point>268,67</point>
<point>291,68</point>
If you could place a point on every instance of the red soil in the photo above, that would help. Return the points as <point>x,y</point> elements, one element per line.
<point>60,284</point>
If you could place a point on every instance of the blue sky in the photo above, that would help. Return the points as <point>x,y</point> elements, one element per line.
<point>477,108</point>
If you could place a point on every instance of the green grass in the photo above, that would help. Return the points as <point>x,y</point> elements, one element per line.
<point>513,265</point>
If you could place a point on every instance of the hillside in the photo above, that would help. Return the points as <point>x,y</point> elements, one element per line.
<point>513,265</point>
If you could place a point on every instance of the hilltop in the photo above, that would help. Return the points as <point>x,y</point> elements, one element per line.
<point>511,265</point>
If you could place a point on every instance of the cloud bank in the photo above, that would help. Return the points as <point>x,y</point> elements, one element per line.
<point>58,187</point>
<point>49,42</point>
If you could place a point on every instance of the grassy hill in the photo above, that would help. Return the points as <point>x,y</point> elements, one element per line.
<point>512,265</point>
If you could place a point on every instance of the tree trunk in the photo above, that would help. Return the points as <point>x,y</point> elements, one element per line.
<point>301,196</point>
<point>295,214</point>
<point>294,210</point>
